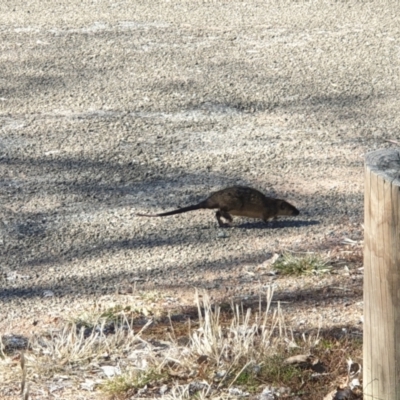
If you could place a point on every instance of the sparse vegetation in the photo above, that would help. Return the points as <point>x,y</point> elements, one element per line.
<point>293,264</point>
<point>245,351</point>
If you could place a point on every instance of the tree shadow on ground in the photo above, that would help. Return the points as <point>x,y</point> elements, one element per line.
<point>31,236</point>
<point>162,277</point>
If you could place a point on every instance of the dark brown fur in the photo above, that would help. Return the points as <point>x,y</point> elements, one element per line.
<point>241,201</point>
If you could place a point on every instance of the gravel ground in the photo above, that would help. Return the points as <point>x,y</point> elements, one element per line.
<point>112,108</point>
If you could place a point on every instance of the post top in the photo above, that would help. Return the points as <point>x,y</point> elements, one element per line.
<point>385,163</point>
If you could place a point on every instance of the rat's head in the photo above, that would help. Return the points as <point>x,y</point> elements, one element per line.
<point>284,208</point>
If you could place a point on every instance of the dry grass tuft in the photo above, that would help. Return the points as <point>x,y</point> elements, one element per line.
<point>72,355</point>
<point>217,353</point>
<point>74,348</point>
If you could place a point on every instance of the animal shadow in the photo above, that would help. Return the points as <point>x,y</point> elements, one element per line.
<point>276,224</point>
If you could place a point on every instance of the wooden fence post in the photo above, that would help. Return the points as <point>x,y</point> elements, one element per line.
<point>381,342</point>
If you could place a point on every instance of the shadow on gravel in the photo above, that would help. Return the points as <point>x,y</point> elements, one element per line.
<point>32,248</point>
<point>277,224</point>
<point>325,293</point>
<point>351,103</point>
<point>96,180</point>
<point>296,298</point>
<point>171,277</point>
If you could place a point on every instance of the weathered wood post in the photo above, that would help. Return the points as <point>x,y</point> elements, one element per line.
<point>381,348</point>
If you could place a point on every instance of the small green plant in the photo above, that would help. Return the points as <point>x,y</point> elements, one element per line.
<point>248,379</point>
<point>326,344</point>
<point>272,370</point>
<point>277,372</point>
<point>121,384</point>
<point>118,385</point>
<point>290,264</point>
<point>114,313</point>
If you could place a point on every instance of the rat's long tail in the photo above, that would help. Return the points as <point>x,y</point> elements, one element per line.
<point>199,206</point>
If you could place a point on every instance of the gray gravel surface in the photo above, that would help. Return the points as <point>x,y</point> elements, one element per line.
<point>112,108</point>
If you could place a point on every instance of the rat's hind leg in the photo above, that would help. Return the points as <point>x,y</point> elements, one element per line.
<point>223,214</point>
